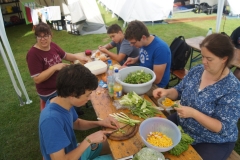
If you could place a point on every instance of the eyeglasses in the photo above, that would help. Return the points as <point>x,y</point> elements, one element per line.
<point>44,37</point>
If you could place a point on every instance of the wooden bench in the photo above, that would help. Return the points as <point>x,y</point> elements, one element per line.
<point>234,156</point>
<point>177,75</point>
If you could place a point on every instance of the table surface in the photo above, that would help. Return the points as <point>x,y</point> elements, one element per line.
<point>195,41</point>
<point>103,106</point>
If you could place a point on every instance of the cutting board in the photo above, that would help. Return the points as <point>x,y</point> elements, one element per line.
<point>128,132</point>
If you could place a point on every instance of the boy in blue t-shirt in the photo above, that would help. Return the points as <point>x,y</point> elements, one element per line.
<point>58,119</point>
<point>154,52</point>
<point>124,49</point>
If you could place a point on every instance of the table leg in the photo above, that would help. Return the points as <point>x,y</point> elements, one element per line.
<point>196,58</point>
<point>190,65</point>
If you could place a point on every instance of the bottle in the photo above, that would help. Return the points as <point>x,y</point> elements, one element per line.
<point>110,81</point>
<point>117,88</point>
<point>209,32</point>
<point>109,64</point>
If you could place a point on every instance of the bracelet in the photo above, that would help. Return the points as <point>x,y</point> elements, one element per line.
<point>88,140</point>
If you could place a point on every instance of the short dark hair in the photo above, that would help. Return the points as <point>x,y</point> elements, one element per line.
<point>74,80</point>
<point>135,30</point>
<point>115,28</point>
<point>220,45</point>
<point>42,28</point>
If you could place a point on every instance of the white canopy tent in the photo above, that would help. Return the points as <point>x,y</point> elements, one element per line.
<point>143,10</point>
<point>84,12</point>
<point>234,7</point>
<point>5,46</point>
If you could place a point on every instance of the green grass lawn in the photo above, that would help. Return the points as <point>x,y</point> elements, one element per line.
<point>19,124</point>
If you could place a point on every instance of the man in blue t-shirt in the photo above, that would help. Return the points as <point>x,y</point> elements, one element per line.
<point>124,49</point>
<point>154,52</point>
<point>58,119</point>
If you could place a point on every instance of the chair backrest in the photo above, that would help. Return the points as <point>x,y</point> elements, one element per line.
<point>180,53</point>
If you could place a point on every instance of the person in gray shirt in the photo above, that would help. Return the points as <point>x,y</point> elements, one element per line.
<point>124,49</point>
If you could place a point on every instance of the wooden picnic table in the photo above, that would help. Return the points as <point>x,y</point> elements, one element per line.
<point>103,106</point>
<point>194,43</point>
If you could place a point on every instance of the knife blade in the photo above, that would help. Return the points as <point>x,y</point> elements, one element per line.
<point>108,134</point>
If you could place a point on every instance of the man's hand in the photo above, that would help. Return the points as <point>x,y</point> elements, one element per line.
<point>102,49</point>
<point>109,122</point>
<point>130,61</point>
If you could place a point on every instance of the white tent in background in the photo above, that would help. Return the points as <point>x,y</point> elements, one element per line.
<point>85,12</point>
<point>5,46</point>
<point>234,7</point>
<point>89,15</point>
<point>142,10</point>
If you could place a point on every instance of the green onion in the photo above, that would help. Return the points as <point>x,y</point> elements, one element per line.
<point>123,118</point>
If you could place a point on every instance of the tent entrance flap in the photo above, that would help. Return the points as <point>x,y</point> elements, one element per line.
<point>93,22</point>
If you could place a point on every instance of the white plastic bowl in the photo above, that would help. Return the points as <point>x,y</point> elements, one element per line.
<point>163,125</point>
<point>96,67</point>
<point>137,88</point>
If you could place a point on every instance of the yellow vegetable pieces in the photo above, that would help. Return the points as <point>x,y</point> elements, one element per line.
<point>167,102</point>
<point>159,139</point>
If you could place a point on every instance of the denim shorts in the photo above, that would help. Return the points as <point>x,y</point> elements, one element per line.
<point>90,154</point>
<point>45,98</point>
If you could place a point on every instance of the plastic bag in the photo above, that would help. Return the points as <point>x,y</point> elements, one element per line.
<point>148,153</point>
<point>118,105</point>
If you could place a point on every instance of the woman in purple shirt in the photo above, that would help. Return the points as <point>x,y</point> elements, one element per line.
<point>44,61</point>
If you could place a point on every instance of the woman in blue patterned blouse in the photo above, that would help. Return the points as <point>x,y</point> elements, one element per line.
<point>210,100</point>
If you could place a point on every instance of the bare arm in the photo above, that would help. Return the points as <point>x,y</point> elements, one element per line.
<point>46,74</point>
<point>107,46</point>
<point>73,155</point>
<point>108,122</point>
<point>81,124</point>
<point>208,122</point>
<point>73,57</point>
<point>118,57</point>
<point>97,137</point>
<point>159,72</point>
<point>170,93</point>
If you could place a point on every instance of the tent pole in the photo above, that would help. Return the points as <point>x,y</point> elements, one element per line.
<point>18,92</point>
<point>11,57</point>
<point>219,15</point>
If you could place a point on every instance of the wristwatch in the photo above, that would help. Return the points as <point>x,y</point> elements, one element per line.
<point>93,145</point>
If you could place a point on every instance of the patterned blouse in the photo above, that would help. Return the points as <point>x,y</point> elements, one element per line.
<point>220,101</point>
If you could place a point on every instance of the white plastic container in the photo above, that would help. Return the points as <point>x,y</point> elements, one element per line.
<point>96,67</point>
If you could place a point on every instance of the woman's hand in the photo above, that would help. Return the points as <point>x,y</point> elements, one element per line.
<point>109,122</point>
<point>185,112</point>
<point>159,92</point>
<point>82,59</point>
